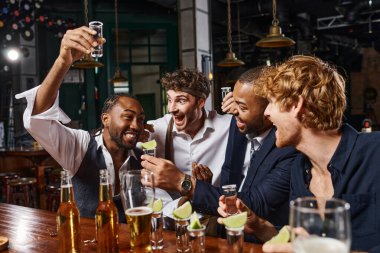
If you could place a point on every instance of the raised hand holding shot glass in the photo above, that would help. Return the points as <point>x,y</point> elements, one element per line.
<point>98,27</point>
<point>229,191</point>
<point>137,201</point>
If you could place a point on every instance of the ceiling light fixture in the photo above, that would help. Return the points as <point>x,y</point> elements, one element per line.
<point>230,60</point>
<point>87,62</point>
<point>118,78</point>
<point>275,38</point>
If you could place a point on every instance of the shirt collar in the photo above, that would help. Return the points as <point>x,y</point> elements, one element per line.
<point>344,149</point>
<point>100,144</point>
<point>259,138</point>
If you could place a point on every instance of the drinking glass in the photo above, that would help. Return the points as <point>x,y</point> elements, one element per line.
<point>235,239</point>
<point>137,201</point>
<point>157,240</point>
<point>229,191</point>
<point>196,239</point>
<point>98,27</point>
<point>225,91</point>
<point>320,225</point>
<point>151,151</point>
<point>182,239</point>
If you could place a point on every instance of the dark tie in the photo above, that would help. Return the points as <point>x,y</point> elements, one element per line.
<point>253,149</point>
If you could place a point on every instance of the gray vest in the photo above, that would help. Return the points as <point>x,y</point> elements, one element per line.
<point>86,181</point>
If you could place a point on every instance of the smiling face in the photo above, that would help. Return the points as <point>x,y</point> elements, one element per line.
<point>249,116</point>
<point>123,123</point>
<point>287,124</point>
<point>186,110</point>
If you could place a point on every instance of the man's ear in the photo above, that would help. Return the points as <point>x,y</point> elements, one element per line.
<point>201,102</point>
<point>105,119</point>
<point>298,106</point>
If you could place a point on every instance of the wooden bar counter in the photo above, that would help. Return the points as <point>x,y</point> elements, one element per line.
<point>30,230</point>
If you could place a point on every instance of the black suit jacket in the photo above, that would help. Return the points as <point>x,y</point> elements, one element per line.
<point>266,188</point>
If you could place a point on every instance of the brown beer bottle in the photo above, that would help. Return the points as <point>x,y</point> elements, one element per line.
<point>68,226</point>
<point>106,218</point>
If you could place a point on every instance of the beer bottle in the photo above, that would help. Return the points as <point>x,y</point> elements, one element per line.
<point>68,218</point>
<point>106,218</point>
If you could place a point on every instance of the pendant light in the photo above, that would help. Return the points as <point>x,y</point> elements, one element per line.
<point>118,77</point>
<point>87,62</point>
<point>230,60</point>
<point>275,38</point>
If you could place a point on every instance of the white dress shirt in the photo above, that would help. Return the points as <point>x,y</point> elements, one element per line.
<point>208,147</point>
<point>66,145</point>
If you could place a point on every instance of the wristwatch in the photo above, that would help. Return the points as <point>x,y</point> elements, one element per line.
<point>186,185</point>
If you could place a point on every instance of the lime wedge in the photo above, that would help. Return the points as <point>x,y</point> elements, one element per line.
<point>149,145</point>
<point>184,211</point>
<point>235,221</point>
<point>195,224</point>
<point>283,236</point>
<point>157,205</point>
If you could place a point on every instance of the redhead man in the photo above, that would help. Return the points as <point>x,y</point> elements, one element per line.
<point>307,100</point>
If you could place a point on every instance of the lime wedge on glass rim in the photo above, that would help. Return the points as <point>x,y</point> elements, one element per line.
<point>283,236</point>
<point>184,211</point>
<point>149,145</point>
<point>157,205</point>
<point>236,220</point>
<point>194,221</point>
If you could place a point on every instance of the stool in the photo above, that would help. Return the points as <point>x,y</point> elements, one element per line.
<point>4,177</point>
<point>26,186</point>
<point>53,197</point>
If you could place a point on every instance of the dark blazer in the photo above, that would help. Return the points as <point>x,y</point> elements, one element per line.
<point>266,188</point>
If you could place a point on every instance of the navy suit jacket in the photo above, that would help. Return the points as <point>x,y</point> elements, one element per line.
<point>266,188</point>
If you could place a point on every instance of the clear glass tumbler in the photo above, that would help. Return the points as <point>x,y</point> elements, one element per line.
<point>320,225</point>
<point>235,239</point>
<point>196,239</point>
<point>182,239</point>
<point>157,240</point>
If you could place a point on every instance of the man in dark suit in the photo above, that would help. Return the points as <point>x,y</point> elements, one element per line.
<point>268,167</point>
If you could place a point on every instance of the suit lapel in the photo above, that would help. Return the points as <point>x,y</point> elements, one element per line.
<point>254,171</point>
<point>238,154</point>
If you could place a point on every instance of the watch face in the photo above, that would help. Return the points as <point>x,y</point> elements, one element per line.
<point>186,185</point>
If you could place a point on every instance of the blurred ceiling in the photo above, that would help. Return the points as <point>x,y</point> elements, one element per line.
<point>332,29</point>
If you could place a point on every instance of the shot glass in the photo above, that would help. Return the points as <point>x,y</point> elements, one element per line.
<point>235,239</point>
<point>151,152</point>
<point>225,90</point>
<point>229,191</point>
<point>157,240</point>
<point>196,239</point>
<point>182,239</point>
<point>98,27</point>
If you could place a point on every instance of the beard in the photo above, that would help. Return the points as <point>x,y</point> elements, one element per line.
<point>121,143</point>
